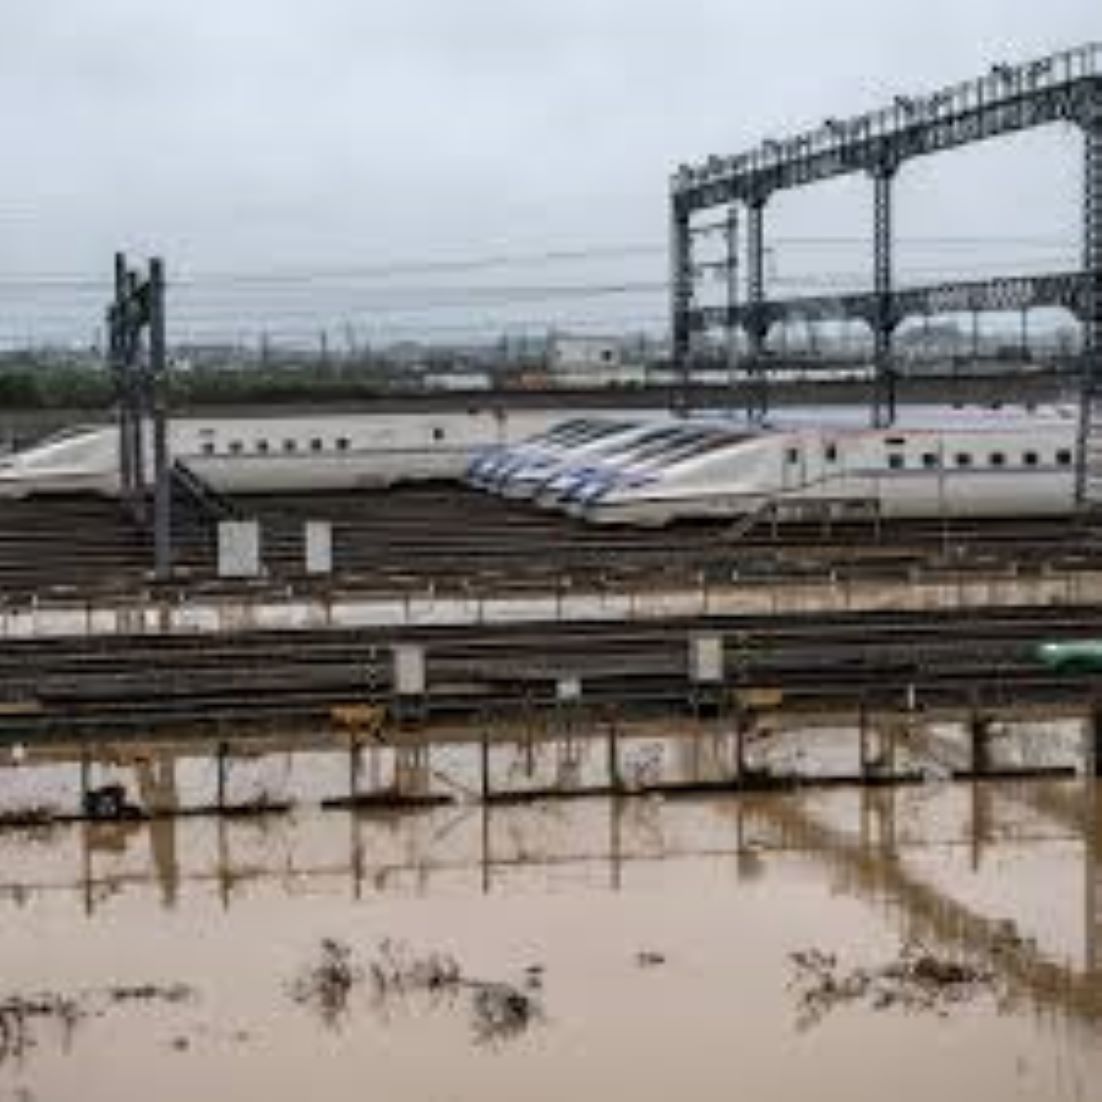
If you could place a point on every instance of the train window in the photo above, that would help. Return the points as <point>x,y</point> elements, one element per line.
<point>830,453</point>
<point>792,455</point>
<point>929,459</point>
<point>290,445</point>
<point>964,459</point>
<point>1029,459</point>
<point>897,462</point>
<point>343,443</point>
<point>1063,457</point>
<point>437,433</point>
<point>262,447</point>
<point>997,459</point>
<point>208,447</point>
<point>316,444</point>
<point>236,447</point>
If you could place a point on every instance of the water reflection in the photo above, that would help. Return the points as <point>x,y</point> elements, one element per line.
<point>894,848</point>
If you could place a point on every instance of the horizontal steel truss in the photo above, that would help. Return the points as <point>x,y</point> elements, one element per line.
<point>1069,290</point>
<point>1057,89</point>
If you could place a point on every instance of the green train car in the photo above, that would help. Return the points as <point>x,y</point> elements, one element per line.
<point>1072,656</point>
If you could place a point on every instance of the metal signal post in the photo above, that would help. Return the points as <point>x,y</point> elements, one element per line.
<point>138,361</point>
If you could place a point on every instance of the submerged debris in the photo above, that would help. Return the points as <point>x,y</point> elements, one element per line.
<point>501,1012</point>
<point>396,970</point>
<point>20,1013</point>
<point>918,981</point>
<point>36,822</point>
<point>401,978</point>
<point>328,984</point>
<point>152,992</point>
<point>23,1016</point>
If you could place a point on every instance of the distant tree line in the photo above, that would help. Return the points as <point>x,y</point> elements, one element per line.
<point>29,385</point>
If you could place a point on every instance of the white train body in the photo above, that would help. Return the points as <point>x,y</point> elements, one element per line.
<point>650,469</point>
<point>282,454</point>
<point>952,465</point>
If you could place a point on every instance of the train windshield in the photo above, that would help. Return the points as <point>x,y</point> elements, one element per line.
<point>637,444</point>
<point>672,446</point>
<point>562,434</point>
<point>711,443</point>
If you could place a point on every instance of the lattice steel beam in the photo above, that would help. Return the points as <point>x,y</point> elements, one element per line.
<point>1068,290</point>
<point>1009,99</point>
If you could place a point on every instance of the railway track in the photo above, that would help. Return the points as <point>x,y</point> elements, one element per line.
<point>414,536</point>
<point>131,682</point>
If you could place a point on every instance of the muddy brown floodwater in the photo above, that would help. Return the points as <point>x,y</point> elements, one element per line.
<point>939,941</point>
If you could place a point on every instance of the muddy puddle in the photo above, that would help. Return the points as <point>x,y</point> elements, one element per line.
<point>941,939</point>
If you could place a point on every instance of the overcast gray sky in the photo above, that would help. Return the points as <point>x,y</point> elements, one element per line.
<point>262,135</point>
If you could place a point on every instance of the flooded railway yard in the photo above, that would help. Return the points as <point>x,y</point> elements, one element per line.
<point>502,807</point>
<point>640,942</point>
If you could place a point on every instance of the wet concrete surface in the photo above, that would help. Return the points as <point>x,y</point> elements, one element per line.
<point>642,948</point>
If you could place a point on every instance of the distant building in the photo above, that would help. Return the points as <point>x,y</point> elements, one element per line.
<point>581,362</point>
<point>573,354</point>
<point>456,380</point>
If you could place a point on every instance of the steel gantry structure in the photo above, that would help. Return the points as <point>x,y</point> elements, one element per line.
<point>1065,87</point>
<point>138,369</point>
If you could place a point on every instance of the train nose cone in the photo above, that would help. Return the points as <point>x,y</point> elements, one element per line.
<point>11,484</point>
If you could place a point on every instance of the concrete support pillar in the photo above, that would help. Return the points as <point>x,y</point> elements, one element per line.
<point>409,680</point>
<point>238,549</point>
<point>568,689</point>
<point>706,671</point>
<point>318,542</point>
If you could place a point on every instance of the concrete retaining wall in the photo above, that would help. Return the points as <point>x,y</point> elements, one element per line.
<point>265,611</point>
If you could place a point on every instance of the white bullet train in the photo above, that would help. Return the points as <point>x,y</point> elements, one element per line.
<point>934,462</point>
<point>647,470</point>
<point>282,454</point>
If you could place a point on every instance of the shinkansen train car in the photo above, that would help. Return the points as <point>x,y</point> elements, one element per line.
<point>558,490</point>
<point>284,454</point>
<point>528,479</point>
<point>934,463</point>
<point>530,468</point>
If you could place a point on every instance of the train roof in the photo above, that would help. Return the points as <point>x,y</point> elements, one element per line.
<point>908,418</point>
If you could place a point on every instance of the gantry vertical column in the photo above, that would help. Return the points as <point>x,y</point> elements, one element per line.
<point>162,474</point>
<point>884,321</point>
<point>731,318</point>
<point>757,405</point>
<point>1089,458</point>
<point>681,299</point>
